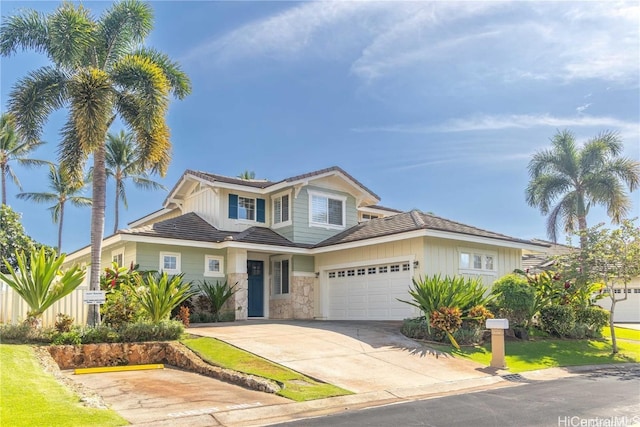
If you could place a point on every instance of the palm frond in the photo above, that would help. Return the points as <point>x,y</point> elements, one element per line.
<point>178,79</point>
<point>38,197</point>
<point>27,31</point>
<point>80,201</point>
<point>71,156</point>
<point>147,184</point>
<point>14,178</point>
<point>122,27</point>
<point>71,33</point>
<point>34,97</point>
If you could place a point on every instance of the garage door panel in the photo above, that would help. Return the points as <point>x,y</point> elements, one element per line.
<point>372,296</point>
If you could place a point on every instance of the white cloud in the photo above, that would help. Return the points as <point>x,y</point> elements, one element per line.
<point>515,40</point>
<point>581,109</point>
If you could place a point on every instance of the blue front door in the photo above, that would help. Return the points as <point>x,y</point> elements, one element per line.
<point>255,269</point>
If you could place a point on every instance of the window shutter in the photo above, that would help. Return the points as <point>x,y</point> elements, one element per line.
<point>233,206</point>
<point>260,216</point>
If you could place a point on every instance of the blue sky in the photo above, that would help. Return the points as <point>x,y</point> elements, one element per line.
<point>433,105</point>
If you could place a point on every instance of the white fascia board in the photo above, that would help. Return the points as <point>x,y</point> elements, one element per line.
<point>479,239</point>
<point>265,248</point>
<point>370,209</point>
<point>368,242</point>
<point>87,249</point>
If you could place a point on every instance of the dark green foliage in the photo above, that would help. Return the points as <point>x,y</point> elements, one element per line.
<point>99,334</point>
<point>557,320</point>
<point>217,295</point>
<point>592,319</point>
<point>73,337</point>
<point>167,330</point>
<point>515,299</point>
<point>418,328</point>
<point>120,308</point>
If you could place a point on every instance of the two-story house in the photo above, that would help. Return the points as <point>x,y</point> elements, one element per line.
<point>315,245</point>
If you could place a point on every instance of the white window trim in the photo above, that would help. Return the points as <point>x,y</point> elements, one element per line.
<point>273,209</point>
<point>255,210</point>
<point>328,226</point>
<point>178,263</point>
<point>482,252</point>
<point>272,277</point>
<point>220,260</point>
<point>117,252</point>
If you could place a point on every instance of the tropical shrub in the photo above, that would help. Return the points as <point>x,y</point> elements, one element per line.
<point>64,322</point>
<point>448,320</point>
<point>593,318</point>
<point>557,320</point>
<point>515,299</point>
<point>184,315</point>
<point>158,294</point>
<point>217,295</point>
<point>165,330</point>
<point>40,281</point>
<point>478,316</point>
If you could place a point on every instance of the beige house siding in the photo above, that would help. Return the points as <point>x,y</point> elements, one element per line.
<point>206,204</point>
<point>442,256</point>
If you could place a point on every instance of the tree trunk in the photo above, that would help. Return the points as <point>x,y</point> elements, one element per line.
<point>614,344</point>
<point>582,226</point>
<point>3,172</point>
<point>60,228</point>
<point>97,226</point>
<point>116,219</point>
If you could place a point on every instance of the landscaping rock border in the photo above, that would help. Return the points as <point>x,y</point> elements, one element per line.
<point>169,353</point>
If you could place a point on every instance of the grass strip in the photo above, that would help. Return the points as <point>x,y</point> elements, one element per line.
<point>297,387</point>
<point>31,397</point>
<point>521,356</point>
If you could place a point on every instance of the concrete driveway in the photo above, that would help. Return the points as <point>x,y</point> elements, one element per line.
<point>359,356</point>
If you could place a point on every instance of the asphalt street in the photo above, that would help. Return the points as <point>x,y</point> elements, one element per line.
<point>603,397</point>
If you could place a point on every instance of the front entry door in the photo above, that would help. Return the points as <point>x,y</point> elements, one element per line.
<point>255,269</point>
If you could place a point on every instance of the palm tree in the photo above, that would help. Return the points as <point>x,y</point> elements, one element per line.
<point>122,164</point>
<point>63,190</point>
<point>12,147</point>
<point>578,178</point>
<point>100,70</point>
<point>247,175</point>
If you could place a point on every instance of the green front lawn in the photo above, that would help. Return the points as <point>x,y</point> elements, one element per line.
<point>31,397</point>
<point>297,387</point>
<point>523,356</point>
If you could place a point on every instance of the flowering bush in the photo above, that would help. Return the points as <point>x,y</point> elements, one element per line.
<point>448,320</point>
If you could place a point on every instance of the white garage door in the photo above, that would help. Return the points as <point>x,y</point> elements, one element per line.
<point>370,292</point>
<point>628,310</point>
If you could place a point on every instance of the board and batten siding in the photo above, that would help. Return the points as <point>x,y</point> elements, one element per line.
<point>302,232</point>
<point>442,256</point>
<point>191,259</point>
<point>205,203</point>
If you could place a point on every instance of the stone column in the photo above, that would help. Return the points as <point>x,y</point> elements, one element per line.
<point>237,273</point>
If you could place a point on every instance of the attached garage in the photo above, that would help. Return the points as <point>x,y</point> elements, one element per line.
<point>369,292</point>
<point>626,311</point>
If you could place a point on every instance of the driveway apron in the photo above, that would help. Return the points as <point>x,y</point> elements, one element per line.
<point>358,356</point>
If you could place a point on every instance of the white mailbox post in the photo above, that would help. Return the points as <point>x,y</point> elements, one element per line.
<point>497,327</point>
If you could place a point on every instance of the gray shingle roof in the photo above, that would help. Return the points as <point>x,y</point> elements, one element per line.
<point>190,226</point>
<point>410,221</point>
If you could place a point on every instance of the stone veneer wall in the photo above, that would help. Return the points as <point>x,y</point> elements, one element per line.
<point>170,353</point>
<point>302,297</point>
<point>298,304</point>
<point>241,297</point>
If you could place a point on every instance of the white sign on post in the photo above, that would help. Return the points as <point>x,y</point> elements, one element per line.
<point>94,297</point>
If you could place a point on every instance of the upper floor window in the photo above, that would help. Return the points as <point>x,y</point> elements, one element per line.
<point>281,209</point>
<point>326,210</point>
<point>247,208</point>
<point>170,262</point>
<point>367,217</point>
<point>213,265</point>
<point>477,261</point>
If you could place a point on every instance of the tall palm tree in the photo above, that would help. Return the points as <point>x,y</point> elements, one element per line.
<point>63,190</point>
<point>122,164</point>
<point>578,178</point>
<point>12,147</point>
<point>100,70</point>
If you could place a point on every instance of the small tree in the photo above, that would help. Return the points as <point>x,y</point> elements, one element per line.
<point>217,294</point>
<point>610,257</point>
<point>41,282</point>
<point>13,239</point>
<point>159,293</point>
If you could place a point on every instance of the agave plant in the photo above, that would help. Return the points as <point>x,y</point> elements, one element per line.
<point>42,282</point>
<point>159,293</point>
